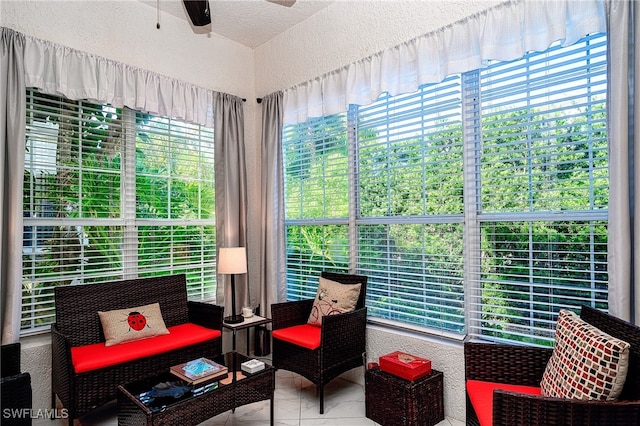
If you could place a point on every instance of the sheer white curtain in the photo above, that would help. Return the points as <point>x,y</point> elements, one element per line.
<point>12,135</point>
<point>504,32</point>
<point>624,161</point>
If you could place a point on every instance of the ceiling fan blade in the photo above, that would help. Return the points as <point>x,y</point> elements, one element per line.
<point>198,11</point>
<point>287,3</point>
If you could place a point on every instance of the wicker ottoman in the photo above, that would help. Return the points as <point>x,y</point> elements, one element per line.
<point>391,400</point>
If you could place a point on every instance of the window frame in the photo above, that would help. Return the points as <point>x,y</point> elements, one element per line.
<point>124,216</point>
<point>473,217</point>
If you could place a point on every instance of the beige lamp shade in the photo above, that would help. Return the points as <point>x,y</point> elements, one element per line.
<point>232,260</point>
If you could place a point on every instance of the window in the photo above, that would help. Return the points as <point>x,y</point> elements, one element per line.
<point>476,206</point>
<point>112,194</point>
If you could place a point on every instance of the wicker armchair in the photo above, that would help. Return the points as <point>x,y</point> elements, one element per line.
<point>16,387</point>
<point>522,365</point>
<point>342,341</point>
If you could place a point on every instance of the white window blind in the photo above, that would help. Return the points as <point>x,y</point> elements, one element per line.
<point>175,202</point>
<point>409,169</point>
<point>108,195</point>
<point>478,205</point>
<point>544,191</point>
<point>316,176</point>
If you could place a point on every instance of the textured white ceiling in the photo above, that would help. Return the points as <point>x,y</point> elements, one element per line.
<point>249,22</point>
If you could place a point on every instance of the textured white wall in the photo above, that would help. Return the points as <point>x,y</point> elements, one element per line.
<point>344,32</point>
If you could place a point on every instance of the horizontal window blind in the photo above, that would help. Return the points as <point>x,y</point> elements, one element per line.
<point>312,249</point>
<point>415,273</point>
<point>91,216</point>
<point>316,179</point>
<point>476,206</point>
<point>172,249</point>
<point>410,184</point>
<point>544,191</point>
<point>175,174</point>
<point>410,153</point>
<point>316,175</point>
<point>175,183</point>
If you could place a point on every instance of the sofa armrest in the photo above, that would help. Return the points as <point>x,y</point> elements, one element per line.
<point>505,363</point>
<point>16,395</point>
<point>288,314</point>
<point>510,408</point>
<point>205,314</point>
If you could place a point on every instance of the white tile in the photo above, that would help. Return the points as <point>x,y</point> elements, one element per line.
<point>342,399</point>
<point>296,404</point>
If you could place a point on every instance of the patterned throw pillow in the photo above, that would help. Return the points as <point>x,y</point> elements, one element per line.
<point>333,298</point>
<point>586,362</point>
<point>126,325</point>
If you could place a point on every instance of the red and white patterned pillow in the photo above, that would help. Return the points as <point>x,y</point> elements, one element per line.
<point>586,362</point>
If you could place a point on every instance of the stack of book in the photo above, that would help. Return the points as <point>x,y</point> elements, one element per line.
<point>199,370</point>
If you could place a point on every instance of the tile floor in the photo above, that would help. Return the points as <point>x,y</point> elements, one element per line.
<point>296,404</point>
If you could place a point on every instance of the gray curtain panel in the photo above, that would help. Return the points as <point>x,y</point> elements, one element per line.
<point>272,239</point>
<point>231,190</point>
<point>624,160</point>
<point>12,137</point>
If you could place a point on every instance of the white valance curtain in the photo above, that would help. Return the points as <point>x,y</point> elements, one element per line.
<point>505,32</point>
<point>61,70</point>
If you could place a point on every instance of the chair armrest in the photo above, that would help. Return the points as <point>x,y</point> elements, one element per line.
<point>288,314</point>
<point>511,408</point>
<point>344,334</point>
<point>504,363</point>
<point>61,367</point>
<point>205,314</point>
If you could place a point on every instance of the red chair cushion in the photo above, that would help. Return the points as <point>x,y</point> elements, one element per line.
<point>307,336</point>
<point>96,356</point>
<point>481,396</point>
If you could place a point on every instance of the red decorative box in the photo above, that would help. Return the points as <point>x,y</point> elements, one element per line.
<point>404,365</point>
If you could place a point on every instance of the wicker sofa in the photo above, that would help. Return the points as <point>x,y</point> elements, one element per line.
<point>78,327</point>
<point>525,365</point>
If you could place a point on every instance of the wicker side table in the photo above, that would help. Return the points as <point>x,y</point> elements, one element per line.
<point>391,400</point>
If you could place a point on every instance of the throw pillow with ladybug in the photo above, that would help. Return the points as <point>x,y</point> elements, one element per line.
<point>125,325</point>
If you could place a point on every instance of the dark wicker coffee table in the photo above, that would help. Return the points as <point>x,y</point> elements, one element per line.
<point>193,409</point>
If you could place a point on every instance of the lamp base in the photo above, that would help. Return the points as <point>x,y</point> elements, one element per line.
<point>234,319</point>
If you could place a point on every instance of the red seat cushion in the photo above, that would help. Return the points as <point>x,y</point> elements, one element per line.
<point>307,336</point>
<point>481,396</point>
<point>96,356</point>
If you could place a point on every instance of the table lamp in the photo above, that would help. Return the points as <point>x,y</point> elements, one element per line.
<point>231,261</point>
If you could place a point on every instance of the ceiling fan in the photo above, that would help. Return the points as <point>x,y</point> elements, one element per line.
<point>200,13</point>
